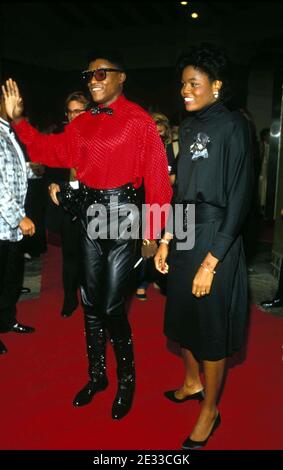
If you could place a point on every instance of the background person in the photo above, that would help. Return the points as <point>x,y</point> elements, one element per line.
<point>13,225</point>
<point>76,103</point>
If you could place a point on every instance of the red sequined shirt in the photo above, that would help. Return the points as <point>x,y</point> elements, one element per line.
<point>107,151</point>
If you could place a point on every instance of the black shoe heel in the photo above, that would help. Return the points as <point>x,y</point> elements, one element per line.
<point>190,444</point>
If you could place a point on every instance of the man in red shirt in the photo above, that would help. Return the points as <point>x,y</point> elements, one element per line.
<point>115,148</point>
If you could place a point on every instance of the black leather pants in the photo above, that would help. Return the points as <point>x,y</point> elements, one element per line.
<point>107,263</point>
<point>107,267</point>
<point>107,270</point>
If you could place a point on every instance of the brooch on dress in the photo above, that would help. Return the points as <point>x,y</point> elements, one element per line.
<point>198,148</point>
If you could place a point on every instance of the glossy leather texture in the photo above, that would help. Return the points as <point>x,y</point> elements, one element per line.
<point>96,353</point>
<point>19,328</point>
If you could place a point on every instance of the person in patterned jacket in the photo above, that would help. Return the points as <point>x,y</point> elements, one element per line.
<point>13,225</point>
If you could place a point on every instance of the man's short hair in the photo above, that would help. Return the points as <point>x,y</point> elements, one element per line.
<point>113,56</point>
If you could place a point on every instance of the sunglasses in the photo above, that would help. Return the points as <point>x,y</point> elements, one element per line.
<point>99,74</point>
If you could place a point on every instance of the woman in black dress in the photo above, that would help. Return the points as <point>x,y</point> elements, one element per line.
<point>206,308</point>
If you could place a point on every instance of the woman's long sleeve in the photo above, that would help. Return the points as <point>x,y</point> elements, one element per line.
<point>239,184</point>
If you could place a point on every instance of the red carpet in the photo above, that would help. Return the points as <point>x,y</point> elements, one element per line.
<point>43,371</point>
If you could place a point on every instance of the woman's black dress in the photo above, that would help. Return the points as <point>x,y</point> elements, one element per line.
<point>214,173</point>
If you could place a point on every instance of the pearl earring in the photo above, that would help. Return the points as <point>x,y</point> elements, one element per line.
<point>216,94</point>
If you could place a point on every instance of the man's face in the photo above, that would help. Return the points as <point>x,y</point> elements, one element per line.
<point>75,108</point>
<point>107,90</point>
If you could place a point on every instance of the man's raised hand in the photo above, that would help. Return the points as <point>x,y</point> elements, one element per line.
<point>13,100</point>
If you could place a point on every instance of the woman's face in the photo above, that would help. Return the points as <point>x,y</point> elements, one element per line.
<point>197,89</point>
<point>160,128</point>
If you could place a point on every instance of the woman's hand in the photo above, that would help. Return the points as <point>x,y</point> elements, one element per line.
<point>160,258</point>
<point>13,100</point>
<point>53,190</point>
<point>204,277</point>
<point>202,282</point>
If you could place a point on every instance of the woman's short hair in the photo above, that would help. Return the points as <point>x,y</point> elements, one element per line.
<point>211,60</point>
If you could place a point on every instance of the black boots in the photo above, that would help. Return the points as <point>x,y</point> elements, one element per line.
<point>123,349</point>
<point>96,351</point>
<point>120,333</point>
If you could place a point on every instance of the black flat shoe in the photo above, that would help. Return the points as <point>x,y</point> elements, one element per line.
<point>274,303</point>
<point>19,328</point>
<point>87,393</point>
<point>170,394</point>
<point>190,444</point>
<point>25,290</point>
